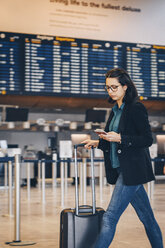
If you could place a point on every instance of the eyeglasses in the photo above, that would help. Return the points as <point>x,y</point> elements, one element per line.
<point>112,87</point>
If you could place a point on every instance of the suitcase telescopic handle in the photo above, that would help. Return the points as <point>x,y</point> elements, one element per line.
<point>76,179</point>
<point>79,145</point>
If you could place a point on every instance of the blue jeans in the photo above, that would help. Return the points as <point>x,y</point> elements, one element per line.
<point>121,197</point>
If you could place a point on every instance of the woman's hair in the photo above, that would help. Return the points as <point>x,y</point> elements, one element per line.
<point>124,79</point>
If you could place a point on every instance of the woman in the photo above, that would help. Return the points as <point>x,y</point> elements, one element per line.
<point>127,159</point>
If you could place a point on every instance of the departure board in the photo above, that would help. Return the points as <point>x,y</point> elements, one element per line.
<point>68,66</point>
<point>61,66</point>
<point>10,64</point>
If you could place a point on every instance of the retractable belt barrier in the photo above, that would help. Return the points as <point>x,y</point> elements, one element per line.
<point>151,184</point>
<point>63,164</point>
<point>8,161</point>
<point>63,175</point>
<point>16,161</point>
<point>83,167</point>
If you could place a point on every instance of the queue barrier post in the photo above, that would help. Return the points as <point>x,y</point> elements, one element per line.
<point>43,181</point>
<point>54,175</point>
<point>28,165</point>
<point>39,174</point>
<point>149,190</point>
<point>17,238</point>
<point>8,172</point>
<point>10,193</point>
<point>62,183</point>
<point>152,183</point>
<point>17,199</point>
<point>5,174</point>
<point>101,180</point>
<point>54,171</point>
<point>66,175</point>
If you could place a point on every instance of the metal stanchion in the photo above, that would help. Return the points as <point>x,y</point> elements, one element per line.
<point>17,199</point>
<point>101,181</point>
<point>153,182</point>
<point>17,240</point>
<point>149,190</point>
<point>66,176</point>
<point>43,182</point>
<point>54,175</point>
<point>62,184</point>
<point>28,179</point>
<point>111,189</point>
<point>5,169</point>
<point>39,175</point>
<point>152,189</point>
<point>10,194</point>
<point>54,171</point>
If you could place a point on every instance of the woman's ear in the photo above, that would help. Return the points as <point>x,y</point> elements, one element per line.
<point>125,87</point>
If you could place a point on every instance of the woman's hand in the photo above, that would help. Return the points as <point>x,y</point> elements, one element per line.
<point>111,137</point>
<point>90,143</point>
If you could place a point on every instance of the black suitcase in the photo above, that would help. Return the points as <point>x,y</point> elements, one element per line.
<point>80,227</point>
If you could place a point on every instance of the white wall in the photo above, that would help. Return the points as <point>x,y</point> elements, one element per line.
<point>91,19</point>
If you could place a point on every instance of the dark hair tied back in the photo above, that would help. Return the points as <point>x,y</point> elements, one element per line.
<point>124,79</point>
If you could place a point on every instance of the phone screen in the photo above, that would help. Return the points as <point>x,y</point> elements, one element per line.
<point>99,131</point>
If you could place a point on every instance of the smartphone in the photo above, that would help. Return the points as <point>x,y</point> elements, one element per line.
<point>100,131</point>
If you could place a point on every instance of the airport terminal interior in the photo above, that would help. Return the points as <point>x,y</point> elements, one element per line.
<point>53,59</point>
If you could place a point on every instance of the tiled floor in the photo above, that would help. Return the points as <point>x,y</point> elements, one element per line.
<point>40,222</point>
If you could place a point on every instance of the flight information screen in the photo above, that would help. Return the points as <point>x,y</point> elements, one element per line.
<point>51,65</point>
<point>11,69</point>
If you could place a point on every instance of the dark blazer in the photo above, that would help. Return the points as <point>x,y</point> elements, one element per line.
<point>133,152</point>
